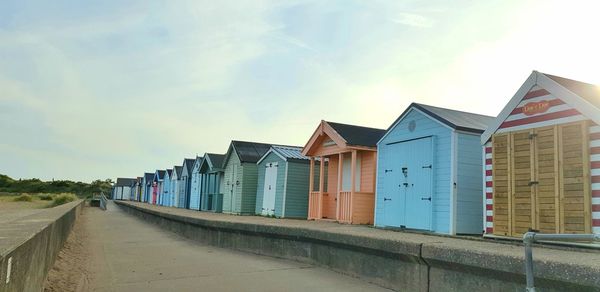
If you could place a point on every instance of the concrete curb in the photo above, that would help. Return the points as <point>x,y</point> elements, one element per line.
<point>416,263</point>
<point>31,244</point>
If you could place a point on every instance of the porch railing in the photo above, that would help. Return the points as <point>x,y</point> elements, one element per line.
<point>314,203</point>
<point>345,207</point>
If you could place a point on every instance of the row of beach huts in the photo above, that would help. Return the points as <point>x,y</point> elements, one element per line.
<point>536,166</point>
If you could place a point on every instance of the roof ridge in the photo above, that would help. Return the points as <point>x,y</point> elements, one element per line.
<point>330,122</point>
<point>449,109</point>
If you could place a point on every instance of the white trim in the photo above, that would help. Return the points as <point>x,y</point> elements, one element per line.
<point>401,118</point>
<point>489,213</point>
<point>583,106</point>
<point>595,201</point>
<point>514,102</point>
<point>488,178</point>
<point>595,157</point>
<point>595,171</point>
<point>377,165</point>
<point>594,143</point>
<point>489,224</point>
<point>489,190</point>
<point>271,150</point>
<point>595,215</point>
<point>489,201</point>
<point>487,167</point>
<point>285,179</point>
<point>453,171</point>
<point>594,129</point>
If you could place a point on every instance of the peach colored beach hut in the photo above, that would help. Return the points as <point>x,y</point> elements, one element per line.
<point>344,189</point>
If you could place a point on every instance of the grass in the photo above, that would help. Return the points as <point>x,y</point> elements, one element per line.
<point>23,198</point>
<point>63,199</point>
<point>45,197</point>
<point>13,202</point>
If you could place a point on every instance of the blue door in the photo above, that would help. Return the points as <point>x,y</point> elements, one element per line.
<point>393,194</point>
<point>417,182</point>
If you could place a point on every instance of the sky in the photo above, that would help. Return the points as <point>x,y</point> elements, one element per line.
<point>105,89</point>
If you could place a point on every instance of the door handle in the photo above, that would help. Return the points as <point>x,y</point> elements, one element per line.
<point>426,199</point>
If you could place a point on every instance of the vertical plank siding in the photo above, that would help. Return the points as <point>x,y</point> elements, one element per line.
<point>296,202</point>
<point>562,194</point>
<point>468,184</point>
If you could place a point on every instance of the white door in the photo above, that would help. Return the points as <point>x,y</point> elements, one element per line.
<point>269,189</point>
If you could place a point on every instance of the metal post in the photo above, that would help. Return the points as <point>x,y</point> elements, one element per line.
<point>530,237</point>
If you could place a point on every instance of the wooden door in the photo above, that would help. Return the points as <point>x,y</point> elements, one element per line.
<point>541,180</point>
<point>501,184</point>
<point>523,200</point>
<point>546,184</point>
<point>575,210</point>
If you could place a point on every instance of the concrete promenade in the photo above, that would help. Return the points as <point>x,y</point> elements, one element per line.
<point>131,255</point>
<point>399,260</point>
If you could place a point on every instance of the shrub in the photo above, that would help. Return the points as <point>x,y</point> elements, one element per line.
<point>63,199</point>
<point>45,197</point>
<point>23,198</point>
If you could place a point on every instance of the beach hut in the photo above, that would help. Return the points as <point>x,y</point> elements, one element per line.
<point>123,188</point>
<point>345,190</point>
<point>175,180</point>
<point>139,187</point>
<point>241,176</point>
<point>211,171</point>
<point>166,188</point>
<point>429,171</point>
<point>542,160</point>
<point>159,176</point>
<point>185,183</point>
<point>196,184</point>
<point>283,183</point>
<point>147,185</point>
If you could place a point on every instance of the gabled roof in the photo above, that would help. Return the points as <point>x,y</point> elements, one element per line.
<point>358,135</point>
<point>148,176</point>
<point>160,174</point>
<point>215,160</point>
<point>458,120</point>
<point>124,182</point>
<point>178,170</point>
<point>584,97</point>
<point>247,151</point>
<point>169,173</point>
<point>286,153</point>
<point>189,165</point>
<point>343,135</point>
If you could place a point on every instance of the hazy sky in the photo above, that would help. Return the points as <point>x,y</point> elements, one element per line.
<point>98,89</point>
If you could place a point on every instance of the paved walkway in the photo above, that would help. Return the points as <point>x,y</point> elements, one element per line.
<point>131,255</point>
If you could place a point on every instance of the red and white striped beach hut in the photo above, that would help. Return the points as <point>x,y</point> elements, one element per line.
<point>542,160</point>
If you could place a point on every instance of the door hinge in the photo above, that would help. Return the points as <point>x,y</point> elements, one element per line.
<point>531,136</point>
<point>386,199</point>
<point>426,199</point>
<point>427,166</point>
<point>533,183</point>
<point>388,170</point>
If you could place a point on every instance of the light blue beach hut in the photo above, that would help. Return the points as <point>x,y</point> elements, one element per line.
<point>185,183</point>
<point>196,184</point>
<point>429,171</point>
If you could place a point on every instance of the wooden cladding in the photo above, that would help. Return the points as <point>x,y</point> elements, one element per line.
<point>541,180</point>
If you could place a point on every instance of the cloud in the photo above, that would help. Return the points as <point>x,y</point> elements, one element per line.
<point>414,20</point>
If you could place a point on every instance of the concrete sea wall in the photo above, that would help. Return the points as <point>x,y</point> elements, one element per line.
<point>396,260</point>
<point>29,246</point>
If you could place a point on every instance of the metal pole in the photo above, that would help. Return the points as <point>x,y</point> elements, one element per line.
<point>530,237</point>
